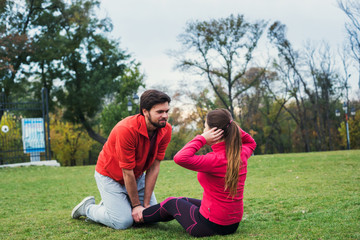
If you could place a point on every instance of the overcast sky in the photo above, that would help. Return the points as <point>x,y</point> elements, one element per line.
<point>148,29</point>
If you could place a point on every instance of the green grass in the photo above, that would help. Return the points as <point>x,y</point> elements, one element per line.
<point>287,196</point>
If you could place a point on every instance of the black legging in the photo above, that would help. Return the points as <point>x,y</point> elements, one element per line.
<point>186,212</point>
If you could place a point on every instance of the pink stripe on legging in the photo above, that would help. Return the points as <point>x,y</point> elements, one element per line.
<point>190,228</point>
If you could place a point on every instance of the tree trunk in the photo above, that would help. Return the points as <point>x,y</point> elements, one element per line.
<point>91,131</point>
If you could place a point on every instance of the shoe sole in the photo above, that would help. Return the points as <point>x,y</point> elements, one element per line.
<point>79,205</point>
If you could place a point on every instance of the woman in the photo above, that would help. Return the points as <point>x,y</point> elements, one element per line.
<point>222,175</point>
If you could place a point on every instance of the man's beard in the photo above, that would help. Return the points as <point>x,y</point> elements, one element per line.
<point>157,125</point>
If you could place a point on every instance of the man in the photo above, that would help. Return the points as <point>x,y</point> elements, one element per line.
<point>135,145</point>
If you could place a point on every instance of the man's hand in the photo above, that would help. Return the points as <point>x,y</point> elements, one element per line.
<point>137,214</point>
<point>213,135</point>
<point>131,187</point>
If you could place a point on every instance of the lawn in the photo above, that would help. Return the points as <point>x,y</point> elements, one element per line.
<point>287,196</point>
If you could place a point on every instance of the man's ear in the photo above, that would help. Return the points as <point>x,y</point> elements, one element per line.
<point>145,112</point>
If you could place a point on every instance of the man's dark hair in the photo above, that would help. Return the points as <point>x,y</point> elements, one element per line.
<point>152,97</point>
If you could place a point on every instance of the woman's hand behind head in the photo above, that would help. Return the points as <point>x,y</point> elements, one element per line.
<point>212,135</point>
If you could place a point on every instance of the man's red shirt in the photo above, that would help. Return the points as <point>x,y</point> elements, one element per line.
<point>128,147</point>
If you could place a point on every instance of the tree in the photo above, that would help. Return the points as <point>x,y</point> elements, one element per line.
<point>221,50</point>
<point>352,10</point>
<point>262,111</point>
<point>325,81</point>
<point>310,79</point>
<point>354,132</point>
<point>69,142</point>
<point>70,55</point>
<point>15,42</point>
<point>293,84</point>
<point>10,140</point>
<point>181,133</point>
<point>202,105</point>
<point>189,120</point>
<point>92,64</point>
<point>116,110</point>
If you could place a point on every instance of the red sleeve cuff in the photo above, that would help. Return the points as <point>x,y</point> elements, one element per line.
<point>128,166</point>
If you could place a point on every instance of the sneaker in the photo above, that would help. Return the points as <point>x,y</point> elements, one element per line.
<point>80,209</point>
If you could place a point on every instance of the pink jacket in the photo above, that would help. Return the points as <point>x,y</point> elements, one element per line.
<point>217,205</point>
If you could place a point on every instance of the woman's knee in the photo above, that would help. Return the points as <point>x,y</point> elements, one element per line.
<point>167,200</point>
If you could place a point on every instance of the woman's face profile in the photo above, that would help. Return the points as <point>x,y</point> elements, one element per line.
<point>206,127</point>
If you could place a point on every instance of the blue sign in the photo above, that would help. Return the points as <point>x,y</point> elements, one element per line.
<point>33,135</point>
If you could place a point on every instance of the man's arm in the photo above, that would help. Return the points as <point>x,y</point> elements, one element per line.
<point>131,188</point>
<point>150,180</point>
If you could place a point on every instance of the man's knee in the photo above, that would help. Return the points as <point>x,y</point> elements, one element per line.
<point>121,224</point>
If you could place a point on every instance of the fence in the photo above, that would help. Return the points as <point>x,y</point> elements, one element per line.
<point>24,130</point>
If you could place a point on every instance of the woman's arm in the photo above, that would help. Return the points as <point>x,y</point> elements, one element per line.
<point>248,143</point>
<point>203,163</point>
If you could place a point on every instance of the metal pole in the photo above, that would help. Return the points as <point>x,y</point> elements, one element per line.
<point>45,109</point>
<point>347,131</point>
<point>43,116</point>
<point>2,103</point>
<point>48,122</point>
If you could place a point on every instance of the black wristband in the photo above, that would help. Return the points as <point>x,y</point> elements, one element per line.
<point>136,206</point>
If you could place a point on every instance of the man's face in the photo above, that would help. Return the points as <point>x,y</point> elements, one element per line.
<point>158,114</point>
